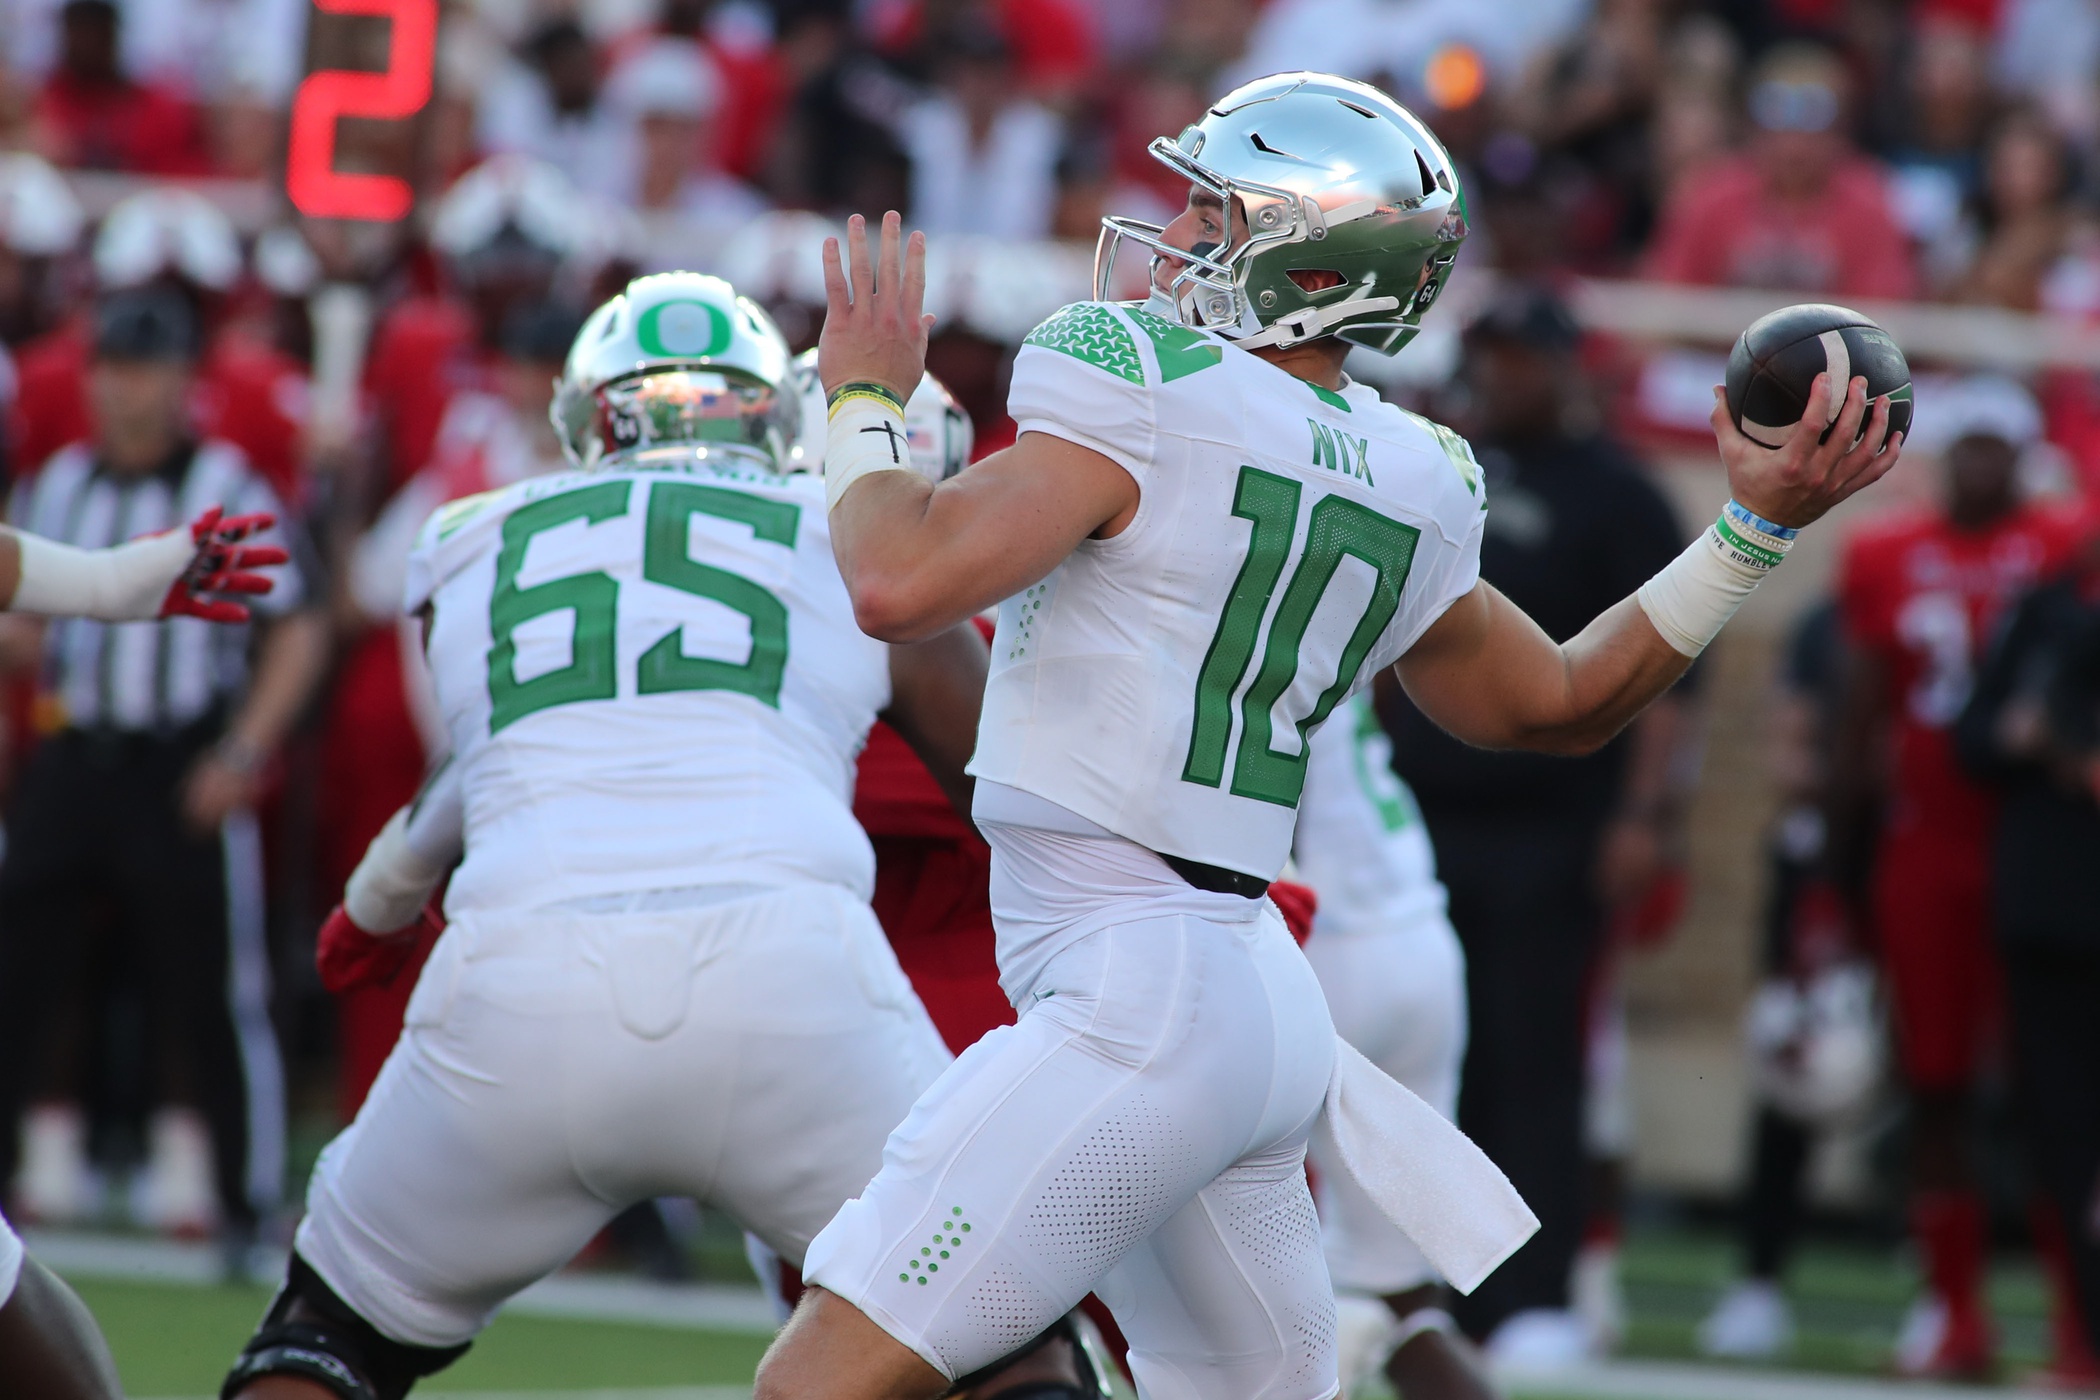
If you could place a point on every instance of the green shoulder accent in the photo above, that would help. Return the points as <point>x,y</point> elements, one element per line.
<point>1330,397</point>
<point>1180,350</point>
<point>1456,448</point>
<point>1089,331</point>
<point>453,514</point>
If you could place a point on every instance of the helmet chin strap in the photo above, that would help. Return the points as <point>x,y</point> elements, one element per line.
<point>1309,323</point>
<point>1312,322</point>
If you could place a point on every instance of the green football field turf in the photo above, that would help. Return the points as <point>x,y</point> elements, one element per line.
<point>175,1340</point>
<point>172,1340</point>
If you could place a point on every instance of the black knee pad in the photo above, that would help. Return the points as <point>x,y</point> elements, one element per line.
<point>1093,1381</point>
<point>310,1333</point>
<point>1044,1390</point>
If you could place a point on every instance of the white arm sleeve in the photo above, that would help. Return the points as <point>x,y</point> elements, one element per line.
<point>407,858</point>
<point>437,820</point>
<point>124,583</point>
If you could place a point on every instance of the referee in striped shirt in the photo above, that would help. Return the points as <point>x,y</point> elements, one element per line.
<point>135,812</point>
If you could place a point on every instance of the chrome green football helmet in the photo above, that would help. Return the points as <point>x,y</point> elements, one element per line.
<point>677,364</point>
<point>1317,173</point>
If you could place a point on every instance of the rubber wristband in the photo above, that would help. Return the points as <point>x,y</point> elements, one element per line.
<point>862,389</point>
<point>864,435</point>
<point>1743,515</point>
<point>1747,548</point>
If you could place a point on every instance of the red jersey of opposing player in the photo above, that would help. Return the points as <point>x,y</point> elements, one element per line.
<point>1920,596</point>
<point>932,890</point>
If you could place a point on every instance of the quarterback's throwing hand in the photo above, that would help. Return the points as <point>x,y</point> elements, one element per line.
<point>875,331</point>
<point>1796,484</point>
<point>222,564</point>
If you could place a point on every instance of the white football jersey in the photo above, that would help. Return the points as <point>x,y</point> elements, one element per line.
<point>1361,844</point>
<point>1289,542</point>
<point>652,680</point>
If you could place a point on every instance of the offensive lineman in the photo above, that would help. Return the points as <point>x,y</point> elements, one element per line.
<point>661,975</point>
<point>1206,537</point>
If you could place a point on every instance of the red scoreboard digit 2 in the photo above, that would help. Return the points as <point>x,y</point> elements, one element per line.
<point>316,187</point>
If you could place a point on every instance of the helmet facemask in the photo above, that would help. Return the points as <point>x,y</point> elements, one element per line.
<point>678,370</point>
<point>692,414</point>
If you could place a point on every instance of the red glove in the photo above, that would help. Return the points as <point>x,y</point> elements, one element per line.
<point>1298,904</point>
<point>221,567</point>
<point>349,957</point>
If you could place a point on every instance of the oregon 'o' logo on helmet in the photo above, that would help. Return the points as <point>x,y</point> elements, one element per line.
<point>683,327</point>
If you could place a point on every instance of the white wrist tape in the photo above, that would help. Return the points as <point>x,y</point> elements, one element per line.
<point>392,883</point>
<point>864,434</point>
<point>126,583</point>
<point>1698,591</point>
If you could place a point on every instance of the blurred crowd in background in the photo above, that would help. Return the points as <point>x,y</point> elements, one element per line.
<point>160,299</point>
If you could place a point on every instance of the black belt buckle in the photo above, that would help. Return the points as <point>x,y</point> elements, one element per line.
<point>1216,878</point>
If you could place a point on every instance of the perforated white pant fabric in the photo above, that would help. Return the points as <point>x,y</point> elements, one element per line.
<point>556,1068</point>
<point>10,1261</point>
<point>1399,996</point>
<point>1139,1133</point>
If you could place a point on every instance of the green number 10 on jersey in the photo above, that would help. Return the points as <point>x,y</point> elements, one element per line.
<point>1336,527</point>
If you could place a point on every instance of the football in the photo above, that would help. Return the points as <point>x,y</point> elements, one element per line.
<point>1776,361</point>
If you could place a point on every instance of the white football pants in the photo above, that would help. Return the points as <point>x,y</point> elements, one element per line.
<point>1139,1133</point>
<point>1398,996</point>
<point>556,1068</point>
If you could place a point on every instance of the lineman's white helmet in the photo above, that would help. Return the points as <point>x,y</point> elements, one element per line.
<point>1816,1051</point>
<point>939,433</point>
<point>678,363</point>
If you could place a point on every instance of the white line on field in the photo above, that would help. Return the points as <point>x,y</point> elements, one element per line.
<point>712,1307</point>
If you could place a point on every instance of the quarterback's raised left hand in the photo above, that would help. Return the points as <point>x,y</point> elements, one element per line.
<point>350,957</point>
<point>1797,484</point>
<point>222,564</point>
<point>875,330</point>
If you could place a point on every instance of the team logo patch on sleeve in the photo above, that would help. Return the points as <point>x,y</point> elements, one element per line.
<point>1090,332</point>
